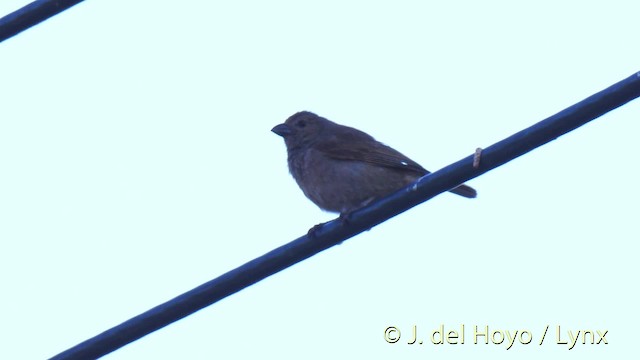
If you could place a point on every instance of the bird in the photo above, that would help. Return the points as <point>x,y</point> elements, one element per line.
<point>341,169</point>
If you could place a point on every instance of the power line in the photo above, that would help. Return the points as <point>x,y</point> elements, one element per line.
<point>30,15</point>
<point>336,231</point>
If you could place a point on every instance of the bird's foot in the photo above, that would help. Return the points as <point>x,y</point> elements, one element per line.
<point>312,233</point>
<point>346,219</point>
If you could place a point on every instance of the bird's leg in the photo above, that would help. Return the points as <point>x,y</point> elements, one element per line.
<point>344,220</point>
<point>312,233</point>
<point>345,214</point>
<point>345,217</point>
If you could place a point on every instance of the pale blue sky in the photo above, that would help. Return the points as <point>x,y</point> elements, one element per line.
<point>137,163</point>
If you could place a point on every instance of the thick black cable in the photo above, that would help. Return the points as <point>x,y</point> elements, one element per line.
<point>30,15</point>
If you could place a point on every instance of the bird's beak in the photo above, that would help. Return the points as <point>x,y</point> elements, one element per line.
<point>282,130</point>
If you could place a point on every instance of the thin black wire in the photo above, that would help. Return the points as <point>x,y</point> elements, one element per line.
<point>336,231</point>
<point>30,15</point>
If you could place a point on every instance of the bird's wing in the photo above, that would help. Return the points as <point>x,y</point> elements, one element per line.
<point>366,149</point>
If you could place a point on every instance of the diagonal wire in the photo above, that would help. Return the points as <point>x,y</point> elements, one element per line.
<point>30,15</point>
<point>334,232</point>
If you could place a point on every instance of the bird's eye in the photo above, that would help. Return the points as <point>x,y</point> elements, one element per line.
<point>301,124</point>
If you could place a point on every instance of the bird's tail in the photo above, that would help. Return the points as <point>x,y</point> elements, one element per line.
<point>464,190</point>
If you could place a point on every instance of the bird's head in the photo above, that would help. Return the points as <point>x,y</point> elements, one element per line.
<point>301,129</point>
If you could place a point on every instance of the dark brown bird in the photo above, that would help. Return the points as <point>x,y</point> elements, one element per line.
<point>340,168</point>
